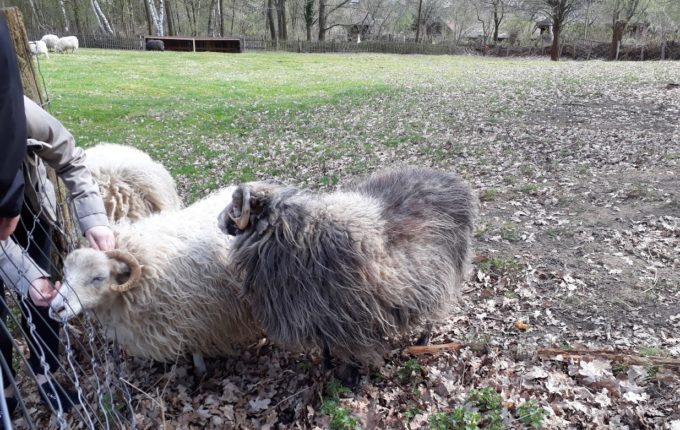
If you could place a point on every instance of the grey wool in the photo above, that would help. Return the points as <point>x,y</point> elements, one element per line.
<point>348,271</point>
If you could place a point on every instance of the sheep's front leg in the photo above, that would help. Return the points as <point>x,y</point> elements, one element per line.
<point>199,364</point>
<point>326,357</point>
<point>426,335</point>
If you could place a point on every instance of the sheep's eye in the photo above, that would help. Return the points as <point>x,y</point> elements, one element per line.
<point>98,278</point>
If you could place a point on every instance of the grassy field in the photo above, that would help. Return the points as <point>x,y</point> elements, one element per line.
<point>576,166</point>
<point>236,116</point>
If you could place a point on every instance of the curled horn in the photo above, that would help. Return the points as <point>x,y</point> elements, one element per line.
<point>135,269</point>
<point>243,218</point>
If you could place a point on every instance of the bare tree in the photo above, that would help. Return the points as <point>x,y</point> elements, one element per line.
<point>270,19</point>
<point>324,13</point>
<point>622,13</point>
<point>665,19</point>
<point>419,21</point>
<point>281,19</point>
<point>102,21</point>
<point>64,16</point>
<point>559,12</point>
<point>498,8</point>
<point>156,16</point>
<point>308,15</point>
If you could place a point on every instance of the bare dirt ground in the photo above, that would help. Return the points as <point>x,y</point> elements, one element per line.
<point>577,248</point>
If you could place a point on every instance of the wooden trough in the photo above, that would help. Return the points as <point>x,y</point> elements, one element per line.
<point>199,44</point>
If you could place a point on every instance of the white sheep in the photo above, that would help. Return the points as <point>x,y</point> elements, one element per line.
<point>166,289</point>
<point>67,43</point>
<point>132,185</point>
<point>50,41</point>
<point>38,47</point>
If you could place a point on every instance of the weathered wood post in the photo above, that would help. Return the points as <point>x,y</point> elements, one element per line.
<point>31,86</point>
<point>15,24</point>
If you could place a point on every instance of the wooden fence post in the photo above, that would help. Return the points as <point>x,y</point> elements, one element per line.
<point>29,80</point>
<point>15,24</point>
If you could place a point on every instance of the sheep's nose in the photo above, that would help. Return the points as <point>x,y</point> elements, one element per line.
<point>55,313</point>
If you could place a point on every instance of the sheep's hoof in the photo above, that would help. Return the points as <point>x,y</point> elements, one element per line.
<point>348,374</point>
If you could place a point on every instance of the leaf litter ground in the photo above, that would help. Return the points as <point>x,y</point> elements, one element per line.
<point>577,247</point>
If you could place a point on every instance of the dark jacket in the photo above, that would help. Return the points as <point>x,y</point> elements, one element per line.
<point>12,128</point>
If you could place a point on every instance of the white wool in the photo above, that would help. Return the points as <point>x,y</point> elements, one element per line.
<point>186,299</point>
<point>50,41</point>
<point>38,47</point>
<point>68,43</point>
<point>132,185</point>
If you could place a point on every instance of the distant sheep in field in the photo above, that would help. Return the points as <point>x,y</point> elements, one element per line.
<point>155,45</point>
<point>50,41</point>
<point>132,185</point>
<point>65,44</point>
<point>166,289</point>
<point>343,272</point>
<point>38,47</point>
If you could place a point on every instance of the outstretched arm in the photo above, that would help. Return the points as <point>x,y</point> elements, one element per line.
<point>52,142</point>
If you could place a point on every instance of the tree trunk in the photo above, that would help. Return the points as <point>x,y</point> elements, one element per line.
<point>496,22</point>
<point>211,18</point>
<point>309,18</point>
<point>420,8</point>
<point>270,19</point>
<point>102,21</point>
<point>149,21</point>
<point>555,48</point>
<point>156,16</point>
<point>171,20</point>
<point>221,6</point>
<point>663,48</point>
<point>76,16</point>
<point>322,20</point>
<point>617,37</point>
<point>64,17</point>
<point>233,15</point>
<point>281,12</point>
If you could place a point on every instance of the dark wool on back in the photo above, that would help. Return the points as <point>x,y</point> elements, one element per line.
<point>349,270</point>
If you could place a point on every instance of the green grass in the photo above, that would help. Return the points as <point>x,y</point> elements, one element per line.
<point>215,119</point>
<point>314,119</point>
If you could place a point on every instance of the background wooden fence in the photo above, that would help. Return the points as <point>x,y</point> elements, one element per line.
<point>579,49</point>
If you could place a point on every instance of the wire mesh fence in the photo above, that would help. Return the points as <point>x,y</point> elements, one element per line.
<point>55,375</point>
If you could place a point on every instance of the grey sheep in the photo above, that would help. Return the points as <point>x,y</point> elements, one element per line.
<point>155,45</point>
<point>344,272</point>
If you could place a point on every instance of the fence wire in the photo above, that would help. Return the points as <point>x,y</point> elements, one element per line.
<point>84,362</point>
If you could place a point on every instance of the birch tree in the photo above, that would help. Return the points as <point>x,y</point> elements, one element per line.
<point>157,15</point>
<point>102,21</point>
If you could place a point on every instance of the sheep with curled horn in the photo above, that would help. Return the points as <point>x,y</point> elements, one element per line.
<point>167,289</point>
<point>344,272</point>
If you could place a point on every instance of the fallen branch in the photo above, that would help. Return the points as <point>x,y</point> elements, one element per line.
<point>579,354</point>
<point>433,349</point>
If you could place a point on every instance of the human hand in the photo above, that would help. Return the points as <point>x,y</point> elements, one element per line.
<point>7,226</point>
<point>42,292</point>
<point>101,238</point>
